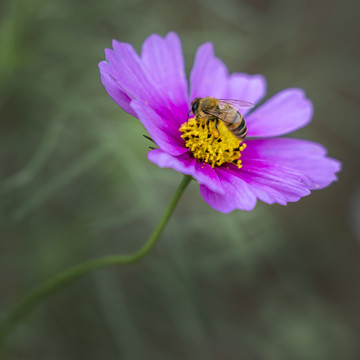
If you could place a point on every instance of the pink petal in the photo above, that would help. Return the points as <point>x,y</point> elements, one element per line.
<point>124,66</point>
<point>164,63</point>
<point>277,170</point>
<point>113,89</point>
<point>273,184</point>
<point>209,74</point>
<point>305,157</point>
<point>185,164</point>
<point>285,112</point>
<point>246,87</point>
<point>127,77</point>
<point>164,133</point>
<point>237,193</point>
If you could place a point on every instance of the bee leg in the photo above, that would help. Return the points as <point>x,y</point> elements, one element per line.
<point>216,126</point>
<point>187,120</point>
<point>208,122</point>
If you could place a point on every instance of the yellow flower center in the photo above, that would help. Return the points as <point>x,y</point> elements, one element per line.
<point>208,144</point>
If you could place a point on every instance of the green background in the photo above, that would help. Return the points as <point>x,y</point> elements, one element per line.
<point>75,183</point>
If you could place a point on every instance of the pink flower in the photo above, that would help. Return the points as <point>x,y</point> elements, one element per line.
<point>153,88</point>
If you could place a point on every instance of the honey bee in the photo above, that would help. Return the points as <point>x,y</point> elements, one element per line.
<point>226,111</point>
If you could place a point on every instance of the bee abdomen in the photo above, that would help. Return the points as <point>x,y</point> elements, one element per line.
<point>241,131</point>
<point>238,127</point>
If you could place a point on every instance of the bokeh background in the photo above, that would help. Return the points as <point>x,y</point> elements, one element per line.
<point>75,183</point>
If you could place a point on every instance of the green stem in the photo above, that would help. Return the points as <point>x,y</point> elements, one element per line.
<point>39,294</point>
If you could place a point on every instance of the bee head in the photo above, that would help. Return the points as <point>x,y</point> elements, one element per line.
<point>195,105</point>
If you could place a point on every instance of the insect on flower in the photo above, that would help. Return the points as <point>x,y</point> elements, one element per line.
<point>232,150</point>
<point>212,109</point>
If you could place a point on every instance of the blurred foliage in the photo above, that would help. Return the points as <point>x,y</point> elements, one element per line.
<point>75,183</point>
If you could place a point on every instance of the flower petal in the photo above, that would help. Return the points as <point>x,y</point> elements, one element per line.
<point>272,184</point>
<point>113,88</point>
<point>209,74</point>
<point>186,164</point>
<point>246,87</point>
<point>237,193</point>
<point>278,170</point>
<point>305,157</point>
<point>164,63</point>
<point>127,77</point>
<point>124,66</point>
<point>163,132</point>
<point>284,170</point>
<point>285,112</point>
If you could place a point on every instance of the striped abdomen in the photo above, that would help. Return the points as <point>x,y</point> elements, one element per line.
<point>236,125</point>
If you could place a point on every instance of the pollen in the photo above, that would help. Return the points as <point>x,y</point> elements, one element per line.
<point>211,145</point>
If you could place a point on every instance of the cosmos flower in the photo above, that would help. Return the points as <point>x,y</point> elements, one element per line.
<point>232,174</point>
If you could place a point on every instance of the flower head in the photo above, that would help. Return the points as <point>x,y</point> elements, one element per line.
<point>233,173</point>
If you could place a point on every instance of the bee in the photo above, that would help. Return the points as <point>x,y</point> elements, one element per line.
<point>226,111</point>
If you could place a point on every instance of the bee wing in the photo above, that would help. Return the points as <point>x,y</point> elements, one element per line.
<point>238,104</point>
<point>221,113</point>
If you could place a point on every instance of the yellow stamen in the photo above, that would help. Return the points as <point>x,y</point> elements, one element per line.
<point>208,144</point>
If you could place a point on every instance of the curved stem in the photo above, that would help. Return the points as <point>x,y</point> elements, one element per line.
<point>39,294</point>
